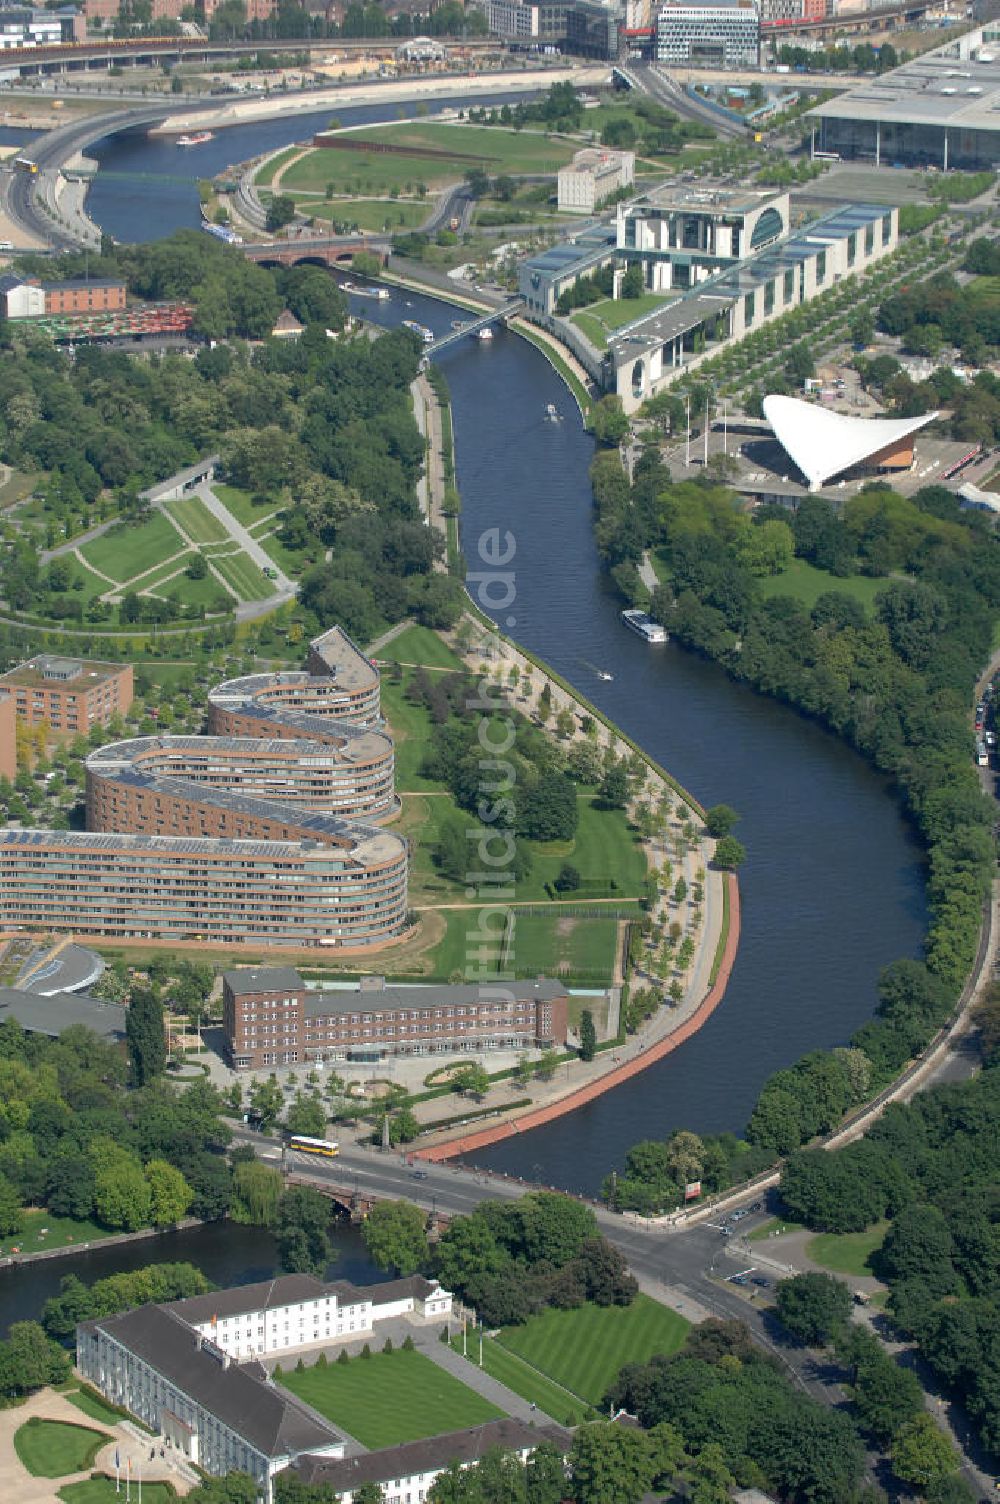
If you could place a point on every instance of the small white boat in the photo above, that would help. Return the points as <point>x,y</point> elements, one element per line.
<point>485,334</point>
<point>603,674</point>
<point>198,139</point>
<point>427,335</point>
<point>644,626</point>
<point>552,413</point>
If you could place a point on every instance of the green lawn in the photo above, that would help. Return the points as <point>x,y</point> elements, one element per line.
<point>390,1398</point>
<point>123,552</point>
<point>420,645</point>
<point>505,150</point>
<point>584,1349</point>
<point>294,562</point>
<point>773,1227</point>
<point>207,592</point>
<point>367,213</point>
<point>93,1406</point>
<point>547,945</point>
<point>91,586</point>
<point>43,1230</point>
<point>507,1368</point>
<point>847,1252</point>
<point>242,504</point>
<point>602,319</point>
<point>99,1490</point>
<point>246,579</point>
<point>197,521</point>
<point>410,726</point>
<point>807,583</point>
<point>52,1448</point>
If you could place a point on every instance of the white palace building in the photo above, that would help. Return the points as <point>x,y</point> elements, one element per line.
<point>192,1370</point>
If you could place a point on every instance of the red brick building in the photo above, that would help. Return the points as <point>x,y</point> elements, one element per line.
<point>270,1018</point>
<point>99,295</point>
<point>8,737</point>
<point>69,694</point>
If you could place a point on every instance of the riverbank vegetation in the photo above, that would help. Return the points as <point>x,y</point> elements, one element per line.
<point>895,681</point>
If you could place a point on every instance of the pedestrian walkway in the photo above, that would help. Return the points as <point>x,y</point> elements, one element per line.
<point>469,1373</point>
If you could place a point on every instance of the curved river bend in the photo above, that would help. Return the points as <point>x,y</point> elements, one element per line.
<point>832,889</point>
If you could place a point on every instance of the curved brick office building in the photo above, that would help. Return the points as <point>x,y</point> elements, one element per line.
<point>266,839</point>
<point>339,684</point>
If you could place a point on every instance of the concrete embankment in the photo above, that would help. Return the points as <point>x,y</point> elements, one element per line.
<point>537,1117</point>
<point>401,91</point>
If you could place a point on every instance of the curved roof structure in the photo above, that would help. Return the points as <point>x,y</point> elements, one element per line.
<point>823,444</point>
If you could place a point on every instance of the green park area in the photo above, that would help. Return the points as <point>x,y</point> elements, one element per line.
<point>603,319</point>
<point>582,1350</point>
<point>847,1252</point>
<point>380,215</point>
<point>511,1370</point>
<point>152,556</point>
<point>388,1398</point>
<point>369,174</point>
<point>53,1448</point>
<point>805,583</point>
<point>100,1490</point>
<point>92,1405</point>
<point>42,1230</point>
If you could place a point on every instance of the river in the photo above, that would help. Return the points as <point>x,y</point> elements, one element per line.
<point>833,887</point>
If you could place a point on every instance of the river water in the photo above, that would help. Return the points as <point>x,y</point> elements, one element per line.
<point>832,889</point>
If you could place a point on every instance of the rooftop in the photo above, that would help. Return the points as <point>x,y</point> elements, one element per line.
<point>371,844</point>
<point>255,979</point>
<point>344,659</point>
<point>349,1473</point>
<point>57,1011</point>
<point>392,999</point>
<point>270,1419</point>
<point>938,88</point>
<point>823,444</point>
<point>47,670</point>
<point>80,284</point>
<point>356,746</point>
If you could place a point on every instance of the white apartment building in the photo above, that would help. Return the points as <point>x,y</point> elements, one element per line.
<point>723,34</point>
<point>593,176</point>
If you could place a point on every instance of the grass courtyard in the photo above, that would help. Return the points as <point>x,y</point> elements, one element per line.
<point>509,1369</point>
<point>390,1398</point>
<point>100,1490</point>
<point>53,1448</point>
<point>602,319</point>
<point>583,1349</point>
<point>805,583</point>
<point>847,1252</point>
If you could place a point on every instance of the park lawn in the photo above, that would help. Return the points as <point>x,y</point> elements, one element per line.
<point>366,174</point>
<point>774,1227</point>
<point>410,726</point>
<point>584,1349</point>
<point>292,561</point>
<point>93,1406</point>
<point>421,645</point>
<point>246,579</point>
<point>207,592</point>
<point>572,948</point>
<point>125,551</point>
<point>91,585</point>
<point>503,151</point>
<point>390,1398</point>
<point>43,1230</point>
<point>197,521</point>
<point>15,488</point>
<point>805,583</point>
<point>598,1005</point>
<point>155,577</point>
<point>376,214</point>
<point>614,313</point>
<point>242,505</point>
<point>511,1370</point>
<point>605,852</point>
<point>266,172</point>
<point>847,1252</point>
<point>985,291</point>
<point>99,1490</point>
<point>53,1448</point>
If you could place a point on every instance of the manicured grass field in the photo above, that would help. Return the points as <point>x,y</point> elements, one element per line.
<point>93,586</point>
<point>43,1230</point>
<point>390,1398</point>
<point>806,583</point>
<point>196,520</point>
<point>102,1491</point>
<point>123,552</point>
<point>584,1349</point>
<point>547,945</point>
<point>420,645</point>
<point>246,579</point>
<point>410,726</point>
<point>242,504</point>
<point>52,1448</point>
<point>774,1226</point>
<point>602,319</point>
<point>367,213</point>
<point>509,1369</point>
<point>847,1252</point>
<point>207,592</point>
<point>506,150</point>
<point>93,1406</point>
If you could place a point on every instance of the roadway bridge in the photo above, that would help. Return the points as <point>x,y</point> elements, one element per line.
<point>326,250</point>
<point>507,311</point>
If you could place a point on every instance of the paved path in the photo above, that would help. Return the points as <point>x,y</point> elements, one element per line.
<point>249,544</point>
<point>430,486</point>
<point>469,1373</point>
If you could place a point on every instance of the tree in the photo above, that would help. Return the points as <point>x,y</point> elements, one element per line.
<point>395,1234</point>
<point>545,1475</point>
<point>611,1464</point>
<point>472,1079</point>
<point>123,1199</point>
<point>922,1455</point>
<point>813,1307</point>
<point>170,1194</point>
<point>608,421</point>
<point>568,879</point>
<point>588,1035</point>
<point>306,1115</point>
<point>614,790</point>
<point>730,853</point>
<point>302,1223</point>
<point>256,1192</point>
<point>280,212</point>
<point>719,820</point>
<point>368,1493</point>
<point>266,1101</point>
<point>11,1210</point>
<point>144,1035</point>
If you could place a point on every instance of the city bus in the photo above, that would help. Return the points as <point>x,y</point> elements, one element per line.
<point>322,1146</point>
<point>25,164</point>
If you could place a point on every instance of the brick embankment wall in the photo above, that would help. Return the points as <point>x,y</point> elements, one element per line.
<point>536,1117</point>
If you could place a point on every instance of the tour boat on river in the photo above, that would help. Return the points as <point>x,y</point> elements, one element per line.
<point>644,626</point>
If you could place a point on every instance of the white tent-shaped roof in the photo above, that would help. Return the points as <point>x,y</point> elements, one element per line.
<point>822,444</point>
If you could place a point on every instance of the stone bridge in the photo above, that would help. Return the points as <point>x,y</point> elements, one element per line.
<point>330,250</point>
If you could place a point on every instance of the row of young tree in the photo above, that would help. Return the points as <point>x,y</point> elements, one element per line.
<point>895,682</point>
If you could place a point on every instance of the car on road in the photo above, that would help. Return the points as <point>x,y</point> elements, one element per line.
<point>759,1279</point>
<point>419,1174</point>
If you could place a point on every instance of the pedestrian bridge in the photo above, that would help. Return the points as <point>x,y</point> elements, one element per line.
<point>507,311</point>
